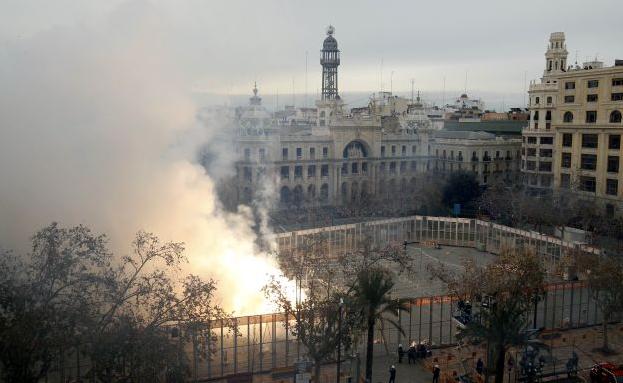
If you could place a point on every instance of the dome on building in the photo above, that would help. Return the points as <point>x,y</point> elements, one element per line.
<point>330,43</point>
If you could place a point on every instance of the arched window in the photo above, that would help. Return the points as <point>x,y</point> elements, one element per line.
<point>548,115</point>
<point>549,100</point>
<point>298,195</point>
<point>354,191</point>
<point>324,192</point>
<point>311,191</point>
<point>615,117</point>
<point>344,190</point>
<point>284,195</point>
<point>567,117</point>
<point>536,116</point>
<point>355,149</point>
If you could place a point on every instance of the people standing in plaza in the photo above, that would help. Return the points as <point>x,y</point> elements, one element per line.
<point>392,374</point>
<point>411,353</point>
<point>401,353</point>
<point>436,373</point>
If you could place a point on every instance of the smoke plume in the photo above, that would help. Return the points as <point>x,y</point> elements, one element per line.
<point>97,127</point>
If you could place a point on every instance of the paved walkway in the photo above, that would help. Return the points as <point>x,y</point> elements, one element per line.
<point>405,373</point>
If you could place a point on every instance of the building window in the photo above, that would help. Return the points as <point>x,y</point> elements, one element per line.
<point>382,168</point>
<point>567,117</point>
<point>404,150</point>
<point>589,141</point>
<point>614,141</point>
<point>565,160</point>
<point>299,153</point>
<point>403,167</point>
<point>570,85</point>
<point>311,171</point>
<point>344,169</point>
<point>413,165</point>
<point>567,140</point>
<point>531,140</point>
<point>413,149</point>
<point>545,152</point>
<point>354,168</point>
<point>612,187</point>
<point>247,154</point>
<point>531,165</point>
<point>591,116</point>
<point>547,140</point>
<point>298,171</point>
<point>565,181</point>
<point>536,116</point>
<point>324,192</point>
<point>325,152</point>
<point>382,151</point>
<point>591,98</point>
<point>587,184</point>
<point>615,117</point>
<point>262,154</point>
<point>545,166</point>
<point>548,115</point>
<point>324,170</point>
<point>393,150</point>
<point>364,167</point>
<point>284,154</point>
<point>247,174</point>
<point>588,162</point>
<point>549,100</point>
<point>616,96</point>
<point>592,83</point>
<point>312,153</point>
<point>613,164</point>
<point>531,152</point>
<point>617,81</point>
<point>285,172</point>
<point>537,100</point>
<point>460,156</point>
<point>392,168</point>
<point>569,99</point>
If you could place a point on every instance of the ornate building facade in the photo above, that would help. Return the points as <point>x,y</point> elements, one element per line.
<point>573,140</point>
<point>332,156</point>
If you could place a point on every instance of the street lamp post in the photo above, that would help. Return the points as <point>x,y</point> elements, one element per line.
<point>339,340</point>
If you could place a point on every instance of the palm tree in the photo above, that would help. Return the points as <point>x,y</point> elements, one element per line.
<point>370,294</point>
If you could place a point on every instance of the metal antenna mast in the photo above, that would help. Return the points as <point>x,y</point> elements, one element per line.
<point>330,60</point>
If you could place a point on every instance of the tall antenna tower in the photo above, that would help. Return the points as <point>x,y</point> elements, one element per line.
<point>330,60</point>
<point>306,54</point>
<point>412,82</point>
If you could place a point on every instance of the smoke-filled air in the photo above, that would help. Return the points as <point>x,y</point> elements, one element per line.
<point>99,128</point>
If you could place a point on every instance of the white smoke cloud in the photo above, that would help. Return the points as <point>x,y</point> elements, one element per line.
<point>97,127</point>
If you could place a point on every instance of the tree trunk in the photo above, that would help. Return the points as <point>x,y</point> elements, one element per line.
<point>605,345</point>
<point>317,367</point>
<point>370,348</point>
<point>500,363</point>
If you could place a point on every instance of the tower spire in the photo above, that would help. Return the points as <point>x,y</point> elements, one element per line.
<point>330,60</point>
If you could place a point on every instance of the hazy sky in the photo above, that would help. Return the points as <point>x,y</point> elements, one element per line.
<point>226,45</point>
